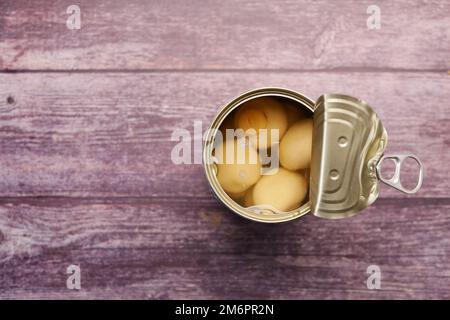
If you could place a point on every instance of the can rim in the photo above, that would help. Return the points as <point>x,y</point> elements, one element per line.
<point>208,147</point>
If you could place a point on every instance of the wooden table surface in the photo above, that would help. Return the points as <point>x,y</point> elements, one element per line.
<point>86,118</point>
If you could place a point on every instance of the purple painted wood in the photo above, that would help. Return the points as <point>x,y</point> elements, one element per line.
<point>110,134</point>
<point>214,34</point>
<point>85,140</point>
<point>180,248</point>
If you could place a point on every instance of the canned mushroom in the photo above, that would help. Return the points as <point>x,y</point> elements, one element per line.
<point>273,155</point>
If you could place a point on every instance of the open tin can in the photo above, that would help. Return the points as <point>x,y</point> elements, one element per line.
<point>348,143</point>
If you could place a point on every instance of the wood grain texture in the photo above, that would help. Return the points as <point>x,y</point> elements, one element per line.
<point>110,134</point>
<point>86,119</point>
<point>214,34</point>
<point>140,249</point>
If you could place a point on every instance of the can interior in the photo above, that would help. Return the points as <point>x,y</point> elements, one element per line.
<point>299,106</point>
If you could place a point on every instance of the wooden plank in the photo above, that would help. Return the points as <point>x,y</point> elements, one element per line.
<point>109,134</point>
<point>179,248</point>
<point>213,34</point>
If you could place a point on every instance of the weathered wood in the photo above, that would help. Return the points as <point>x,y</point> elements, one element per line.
<point>257,34</point>
<point>179,248</point>
<point>109,134</point>
<point>85,170</point>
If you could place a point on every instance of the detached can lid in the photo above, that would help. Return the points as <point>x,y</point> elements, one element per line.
<point>348,143</point>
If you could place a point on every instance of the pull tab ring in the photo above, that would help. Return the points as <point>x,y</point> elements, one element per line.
<point>394,181</point>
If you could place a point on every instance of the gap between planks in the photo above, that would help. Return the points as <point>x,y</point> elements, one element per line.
<point>211,201</point>
<point>231,70</point>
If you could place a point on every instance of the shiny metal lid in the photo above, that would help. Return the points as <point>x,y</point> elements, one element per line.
<point>348,145</point>
<point>349,140</point>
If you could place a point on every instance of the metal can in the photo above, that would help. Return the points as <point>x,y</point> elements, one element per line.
<point>347,151</point>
